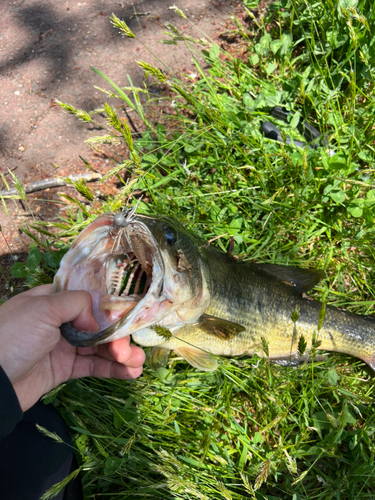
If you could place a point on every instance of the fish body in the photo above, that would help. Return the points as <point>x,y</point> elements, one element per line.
<point>209,302</point>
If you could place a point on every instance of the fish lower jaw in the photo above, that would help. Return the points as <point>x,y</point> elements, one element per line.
<point>147,337</point>
<point>117,307</point>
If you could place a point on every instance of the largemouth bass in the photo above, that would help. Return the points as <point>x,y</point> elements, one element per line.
<point>148,275</point>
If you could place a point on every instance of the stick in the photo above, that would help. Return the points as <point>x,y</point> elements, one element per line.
<point>52,183</point>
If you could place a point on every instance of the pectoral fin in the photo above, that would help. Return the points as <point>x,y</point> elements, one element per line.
<point>302,279</point>
<point>197,358</point>
<point>158,357</point>
<point>221,328</point>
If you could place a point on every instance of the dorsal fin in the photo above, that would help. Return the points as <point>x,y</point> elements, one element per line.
<point>302,279</point>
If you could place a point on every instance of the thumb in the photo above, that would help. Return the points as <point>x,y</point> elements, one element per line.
<point>70,305</point>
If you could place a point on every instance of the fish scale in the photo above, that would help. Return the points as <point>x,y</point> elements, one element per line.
<point>263,305</point>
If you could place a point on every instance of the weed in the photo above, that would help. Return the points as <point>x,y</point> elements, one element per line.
<point>250,429</point>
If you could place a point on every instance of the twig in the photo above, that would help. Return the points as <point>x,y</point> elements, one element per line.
<point>52,183</point>
<point>216,238</point>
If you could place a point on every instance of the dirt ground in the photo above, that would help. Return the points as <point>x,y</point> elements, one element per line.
<point>46,50</point>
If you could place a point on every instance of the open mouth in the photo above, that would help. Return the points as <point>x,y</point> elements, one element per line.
<point>128,279</point>
<point>123,271</point>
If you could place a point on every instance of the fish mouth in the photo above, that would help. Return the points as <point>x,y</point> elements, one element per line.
<point>123,271</point>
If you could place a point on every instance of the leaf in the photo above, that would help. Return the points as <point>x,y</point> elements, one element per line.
<point>258,438</point>
<point>147,140</point>
<point>338,163</point>
<point>321,421</point>
<point>346,4</point>
<point>333,377</point>
<point>247,100</point>
<point>286,43</point>
<point>254,59</point>
<point>322,315</point>
<point>335,192</point>
<point>162,373</point>
<point>34,258</point>
<point>283,45</point>
<point>18,270</point>
<point>337,195</point>
<point>275,45</point>
<point>355,207</point>
<point>161,133</point>
<point>365,156</point>
<point>349,416</point>
<point>295,120</point>
<point>190,148</point>
<point>263,46</point>
<point>270,68</point>
<point>252,4</point>
<point>214,52</point>
<point>177,427</point>
<point>150,158</point>
<point>236,223</point>
<point>52,259</point>
<point>112,464</point>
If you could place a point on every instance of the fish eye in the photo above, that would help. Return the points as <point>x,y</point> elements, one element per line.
<point>170,235</point>
<point>119,220</point>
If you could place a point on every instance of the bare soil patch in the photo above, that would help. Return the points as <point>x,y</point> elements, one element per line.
<point>46,50</point>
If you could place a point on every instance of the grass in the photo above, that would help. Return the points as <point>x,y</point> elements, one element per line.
<point>251,429</point>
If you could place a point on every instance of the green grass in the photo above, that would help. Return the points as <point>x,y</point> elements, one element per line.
<point>251,429</point>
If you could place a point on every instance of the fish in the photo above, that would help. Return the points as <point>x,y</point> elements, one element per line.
<point>152,279</point>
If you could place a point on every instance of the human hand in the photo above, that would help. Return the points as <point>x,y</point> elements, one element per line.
<point>36,358</point>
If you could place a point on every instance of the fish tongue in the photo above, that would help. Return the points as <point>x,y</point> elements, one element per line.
<point>121,304</point>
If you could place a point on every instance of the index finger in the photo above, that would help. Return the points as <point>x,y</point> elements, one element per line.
<point>39,290</point>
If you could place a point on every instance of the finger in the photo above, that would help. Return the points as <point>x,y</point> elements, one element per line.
<point>95,366</point>
<point>72,305</point>
<point>102,349</point>
<point>39,290</point>
<point>119,350</point>
<point>124,352</point>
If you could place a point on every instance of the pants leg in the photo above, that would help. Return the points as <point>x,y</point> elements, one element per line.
<point>30,463</point>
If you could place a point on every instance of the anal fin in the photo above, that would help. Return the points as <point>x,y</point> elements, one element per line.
<point>295,360</point>
<point>197,358</point>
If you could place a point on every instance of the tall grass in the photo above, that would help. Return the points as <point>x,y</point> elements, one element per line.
<point>251,429</point>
